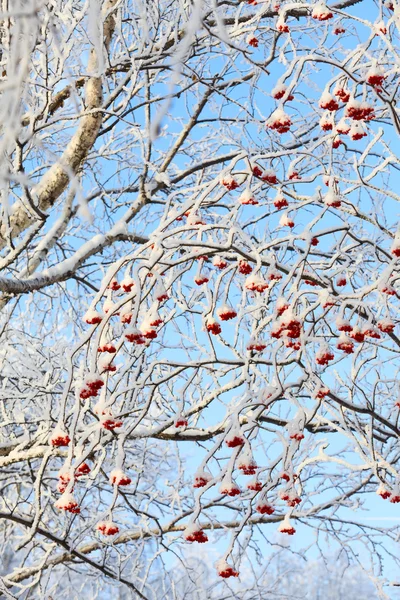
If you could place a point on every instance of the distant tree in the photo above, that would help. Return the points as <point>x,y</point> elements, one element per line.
<point>199,295</point>
<point>285,577</point>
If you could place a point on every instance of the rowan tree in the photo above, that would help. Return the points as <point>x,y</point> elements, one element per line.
<point>199,288</point>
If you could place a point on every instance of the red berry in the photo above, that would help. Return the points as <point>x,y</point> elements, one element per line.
<point>288,530</point>
<point>225,313</point>
<point>201,480</point>
<point>195,534</point>
<point>200,279</point>
<point>213,326</point>
<point>228,572</point>
<point>255,486</point>
<point>113,285</point>
<point>107,528</point>
<point>83,469</point>
<point>118,477</point>
<point>230,183</point>
<point>235,441</point>
<point>111,424</point>
<point>244,267</point>
<point>252,41</point>
<point>265,509</point>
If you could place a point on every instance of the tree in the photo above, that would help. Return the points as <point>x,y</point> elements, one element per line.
<point>199,291</point>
